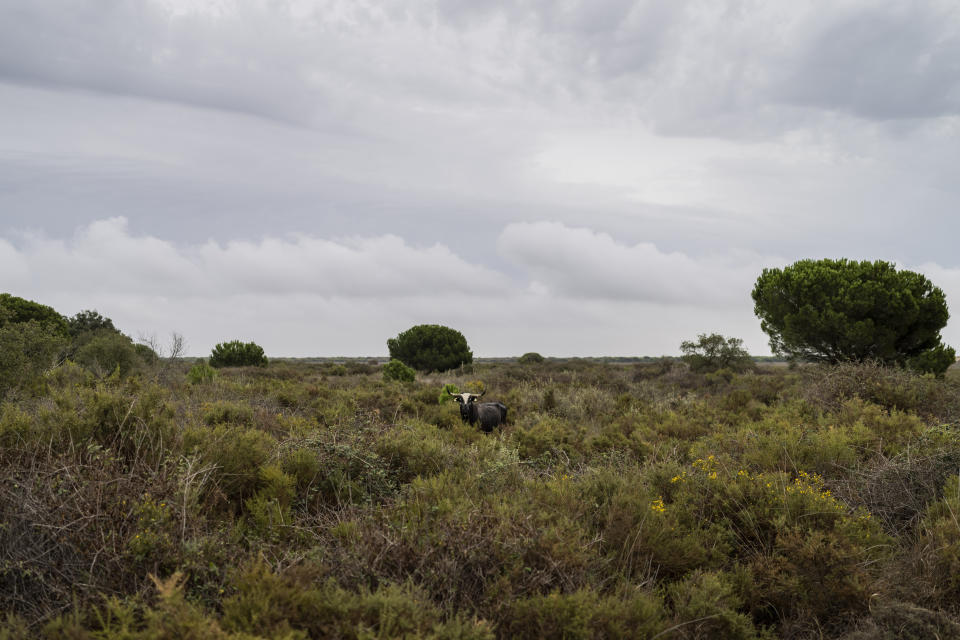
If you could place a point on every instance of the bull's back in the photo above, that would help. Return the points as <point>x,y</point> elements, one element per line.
<point>491,414</point>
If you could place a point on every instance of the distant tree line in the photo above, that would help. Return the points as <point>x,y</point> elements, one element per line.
<point>813,310</point>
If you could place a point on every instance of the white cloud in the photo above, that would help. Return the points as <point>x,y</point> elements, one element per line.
<point>106,257</point>
<point>582,263</point>
<point>303,295</point>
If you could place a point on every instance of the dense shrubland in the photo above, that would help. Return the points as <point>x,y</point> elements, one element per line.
<point>320,500</point>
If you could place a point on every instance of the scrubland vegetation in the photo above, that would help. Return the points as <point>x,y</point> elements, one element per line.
<point>621,501</point>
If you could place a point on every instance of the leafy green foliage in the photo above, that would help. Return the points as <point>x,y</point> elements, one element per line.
<point>445,392</point>
<point>713,352</point>
<point>27,349</point>
<point>396,370</point>
<point>237,354</point>
<point>201,373</point>
<point>289,503</point>
<point>430,347</point>
<point>87,322</point>
<point>105,351</point>
<point>15,310</point>
<point>530,358</point>
<point>843,310</point>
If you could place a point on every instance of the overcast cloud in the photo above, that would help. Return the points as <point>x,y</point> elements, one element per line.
<point>577,178</point>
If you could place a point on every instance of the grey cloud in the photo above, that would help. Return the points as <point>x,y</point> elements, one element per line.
<point>729,69</point>
<point>881,62</point>
<point>247,64</point>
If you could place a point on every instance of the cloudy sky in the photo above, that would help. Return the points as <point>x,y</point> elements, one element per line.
<point>595,177</point>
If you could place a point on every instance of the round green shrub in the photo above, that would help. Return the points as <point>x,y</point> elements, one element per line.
<point>396,370</point>
<point>530,358</point>
<point>106,351</point>
<point>237,354</point>
<point>200,373</point>
<point>430,347</point>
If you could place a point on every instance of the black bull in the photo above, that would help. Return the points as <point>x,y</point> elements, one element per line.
<point>488,414</point>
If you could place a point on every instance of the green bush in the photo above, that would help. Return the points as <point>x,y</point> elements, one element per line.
<point>708,605</point>
<point>107,351</point>
<point>227,413</point>
<point>530,358</point>
<point>201,373</point>
<point>714,352</point>
<point>396,370</point>
<point>936,360</point>
<point>445,392</point>
<point>14,310</point>
<point>584,614</point>
<point>430,347</point>
<point>237,455</point>
<point>286,607</point>
<point>27,349</point>
<point>87,322</point>
<point>237,354</point>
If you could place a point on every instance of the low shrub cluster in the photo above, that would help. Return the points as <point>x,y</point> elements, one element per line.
<point>396,370</point>
<point>237,354</point>
<point>622,501</point>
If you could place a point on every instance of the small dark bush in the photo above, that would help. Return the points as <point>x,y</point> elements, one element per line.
<point>360,368</point>
<point>237,354</point>
<point>530,358</point>
<point>651,370</point>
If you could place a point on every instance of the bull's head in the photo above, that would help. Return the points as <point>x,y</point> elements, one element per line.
<point>465,400</point>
